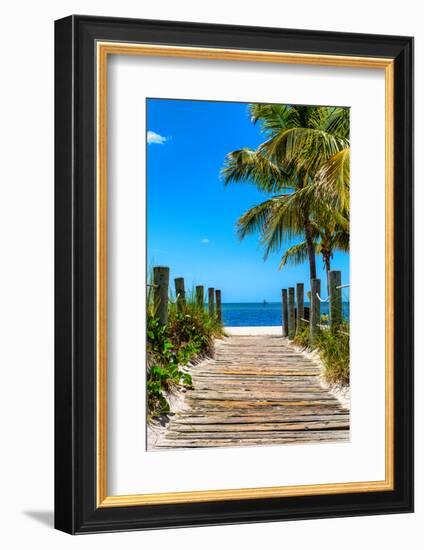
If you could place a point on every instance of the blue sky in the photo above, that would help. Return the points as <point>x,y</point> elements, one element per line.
<point>191,216</point>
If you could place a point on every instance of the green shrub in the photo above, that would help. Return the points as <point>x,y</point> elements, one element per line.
<point>188,336</point>
<point>192,326</point>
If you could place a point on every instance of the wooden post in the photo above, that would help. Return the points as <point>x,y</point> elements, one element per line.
<point>218,305</point>
<point>285,312</point>
<point>336,314</point>
<point>292,320</point>
<point>200,296</point>
<point>160,293</point>
<point>211,304</point>
<point>179,292</point>
<point>315,312</point>
<point>300,302</point>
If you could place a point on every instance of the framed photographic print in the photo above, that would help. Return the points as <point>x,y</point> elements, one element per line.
<point>234,274</point>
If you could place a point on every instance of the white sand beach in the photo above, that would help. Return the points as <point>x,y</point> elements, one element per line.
<point>252,331</point>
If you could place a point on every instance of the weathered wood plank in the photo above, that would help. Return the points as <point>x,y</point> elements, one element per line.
<point>253,419</point>
<point>257,390</point>
<point>274,427</point>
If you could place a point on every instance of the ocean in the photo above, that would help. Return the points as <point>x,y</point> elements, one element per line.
<point>260,315</point>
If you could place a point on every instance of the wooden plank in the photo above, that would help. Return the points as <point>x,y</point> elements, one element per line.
<point>260,427</point>
<point>255,418</point>
<point>256,391</point>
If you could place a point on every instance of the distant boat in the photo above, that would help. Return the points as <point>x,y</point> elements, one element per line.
<point>265,303</point>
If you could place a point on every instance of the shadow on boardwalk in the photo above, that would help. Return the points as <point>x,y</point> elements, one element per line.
<point>258,390</point>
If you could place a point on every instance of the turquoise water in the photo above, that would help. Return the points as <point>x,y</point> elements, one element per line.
<point>260,315</point>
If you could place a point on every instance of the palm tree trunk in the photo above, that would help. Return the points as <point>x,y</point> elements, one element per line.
<point>311,250</point>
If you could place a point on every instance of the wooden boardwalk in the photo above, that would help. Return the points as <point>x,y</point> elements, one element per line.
<point>257,390</point>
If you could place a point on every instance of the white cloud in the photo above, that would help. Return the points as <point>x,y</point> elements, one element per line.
<point>153,137</point>
<point>205,241</point>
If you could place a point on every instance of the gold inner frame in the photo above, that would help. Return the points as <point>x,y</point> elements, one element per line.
<point>104,49</point>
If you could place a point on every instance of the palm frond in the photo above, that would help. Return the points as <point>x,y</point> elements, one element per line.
<point>285,221</point>
<point>340,240</point>
<point>254,219</point>
<point>339,122</point>
<point>295,255</point>
<point>332,181</point>
<point>277,220</point>
<point>273,117</point>
<point>248,165</point>
<point>305,148</point>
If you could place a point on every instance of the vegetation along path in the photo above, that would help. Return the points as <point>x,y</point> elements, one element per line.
<point>257,390</point>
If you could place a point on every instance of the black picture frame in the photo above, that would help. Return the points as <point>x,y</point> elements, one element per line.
<point>76,510</point>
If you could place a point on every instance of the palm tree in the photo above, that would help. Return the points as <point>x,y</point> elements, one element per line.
<point>278,218</point>
<point>330,234</point>
<point>294,160</point>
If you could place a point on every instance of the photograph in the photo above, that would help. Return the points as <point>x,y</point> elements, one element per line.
<point>248,274</point>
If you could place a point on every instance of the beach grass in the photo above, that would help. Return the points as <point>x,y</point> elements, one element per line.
<point>334,351</point>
